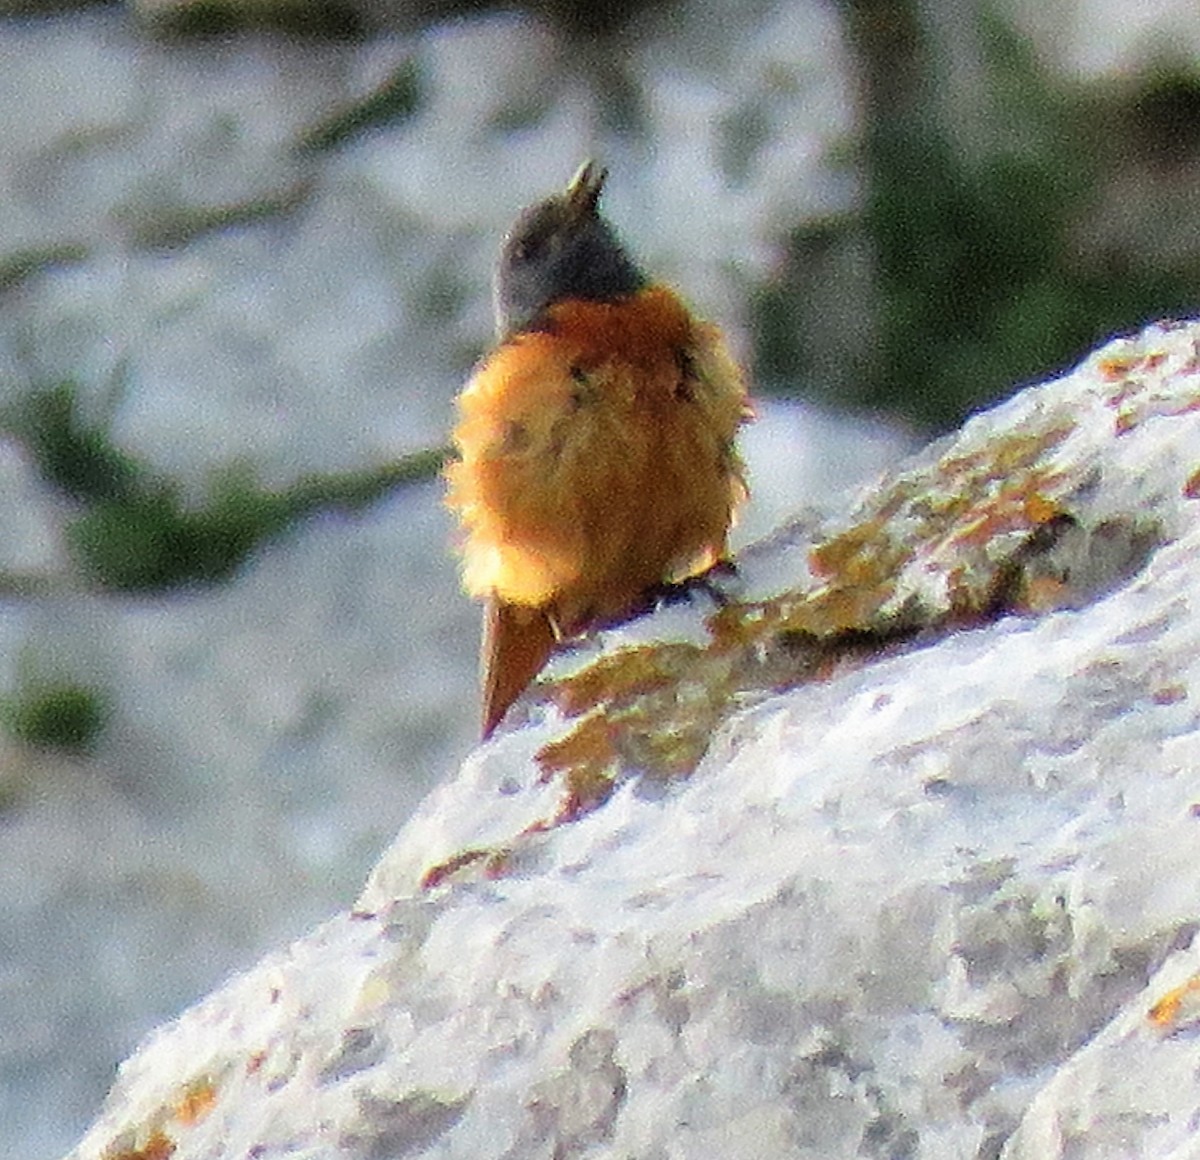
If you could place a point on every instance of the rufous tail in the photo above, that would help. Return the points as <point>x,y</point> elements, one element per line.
<point>517,641</point>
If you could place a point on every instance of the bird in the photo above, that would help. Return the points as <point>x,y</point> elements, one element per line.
<point>595,456</point>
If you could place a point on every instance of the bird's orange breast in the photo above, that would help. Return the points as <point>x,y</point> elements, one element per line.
<point>596,457</point>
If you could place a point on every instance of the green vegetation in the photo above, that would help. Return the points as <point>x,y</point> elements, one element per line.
<point>135,531</point>
<point>20,265</point>
<point>393,102</point>
<point>62,716</point>
<point>76,457</point>
<point>324,19</point>
<point>167,227</point>
<point>977,262</point>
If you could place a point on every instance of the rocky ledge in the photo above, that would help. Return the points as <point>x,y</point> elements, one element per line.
<point>891,850</point>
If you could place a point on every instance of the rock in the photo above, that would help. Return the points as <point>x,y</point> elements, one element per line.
<point>268,738</point>
<point>894,854</point>
<point>31,547</point>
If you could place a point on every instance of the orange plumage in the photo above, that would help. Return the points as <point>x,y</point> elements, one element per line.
<point>596,443</point>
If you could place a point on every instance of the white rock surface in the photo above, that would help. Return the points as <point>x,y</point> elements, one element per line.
<point>933,907</point>
<point>270,735</point>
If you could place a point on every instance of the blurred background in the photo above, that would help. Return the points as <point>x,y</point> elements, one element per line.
<point>245,248</point>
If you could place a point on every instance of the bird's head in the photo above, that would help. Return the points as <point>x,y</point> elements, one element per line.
<point>558,249</point>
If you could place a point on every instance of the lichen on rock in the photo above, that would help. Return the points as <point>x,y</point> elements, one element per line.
<point>892,851</point>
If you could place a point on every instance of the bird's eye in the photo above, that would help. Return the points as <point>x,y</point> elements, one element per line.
<point>534,247</point>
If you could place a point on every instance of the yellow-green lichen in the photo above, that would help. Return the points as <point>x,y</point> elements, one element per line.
<point>955,543</point>
<point>651,711</point>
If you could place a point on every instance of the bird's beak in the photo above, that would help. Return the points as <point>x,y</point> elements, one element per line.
<point>584,189</point>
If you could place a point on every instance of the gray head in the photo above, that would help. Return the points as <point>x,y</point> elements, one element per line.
<point>558,249</point>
